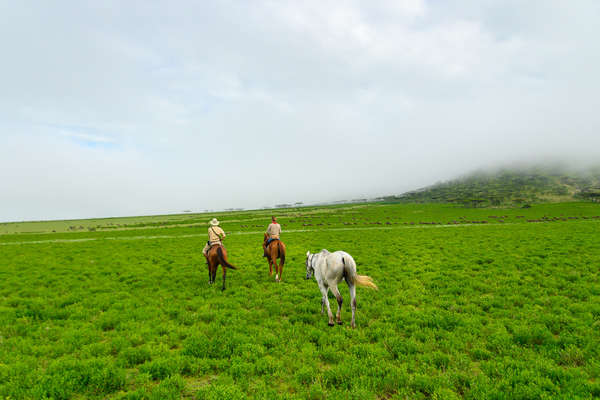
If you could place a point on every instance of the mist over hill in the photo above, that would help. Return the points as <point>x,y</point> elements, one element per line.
<point>512,185</point>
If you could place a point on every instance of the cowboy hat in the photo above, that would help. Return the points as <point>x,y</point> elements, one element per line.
<point>214,222</point>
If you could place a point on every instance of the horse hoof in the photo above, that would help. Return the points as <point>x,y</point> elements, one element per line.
<point>339,322</point>
<point>330,324</point>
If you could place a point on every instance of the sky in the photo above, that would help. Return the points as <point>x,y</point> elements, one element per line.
<point>116,108</point>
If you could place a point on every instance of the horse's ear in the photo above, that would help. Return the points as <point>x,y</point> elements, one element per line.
<point>307,253</point>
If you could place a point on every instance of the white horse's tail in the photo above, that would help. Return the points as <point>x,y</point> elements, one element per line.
<point>366,281</point>
<point>353,277</point>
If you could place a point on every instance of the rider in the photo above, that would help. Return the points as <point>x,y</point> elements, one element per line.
<point>273,232</point>
<point>215,235</point>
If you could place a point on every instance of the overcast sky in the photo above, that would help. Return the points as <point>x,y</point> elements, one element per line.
<point>114,108</point>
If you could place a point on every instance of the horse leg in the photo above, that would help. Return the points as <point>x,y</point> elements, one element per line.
<point>210,271</point>
<point>322,305</point>
<point>224,273</point>
<point>280,270</point>
<point>277,271</point>
<point>326,301</point>
<point>214,272</point>
<point>268,255</point>
<point>338,297</point>
<point>274,262</point>
<point>352,288</point>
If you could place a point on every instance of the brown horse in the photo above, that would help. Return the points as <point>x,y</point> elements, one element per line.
<point>275,250</point>
<point>217,255</point>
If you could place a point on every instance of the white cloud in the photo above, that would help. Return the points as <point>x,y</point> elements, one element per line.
<point>86,137</point>
<point>159,102</point>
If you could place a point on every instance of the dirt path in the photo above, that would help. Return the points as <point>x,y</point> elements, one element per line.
<point>289,231</point>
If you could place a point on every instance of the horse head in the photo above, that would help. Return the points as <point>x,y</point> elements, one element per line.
<point>309,267</point>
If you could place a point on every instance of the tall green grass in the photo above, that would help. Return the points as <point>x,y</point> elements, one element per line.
<point>499,310</point>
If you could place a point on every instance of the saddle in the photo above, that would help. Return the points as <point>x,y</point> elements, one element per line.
<point>210,246</point>
<point>269,241</point>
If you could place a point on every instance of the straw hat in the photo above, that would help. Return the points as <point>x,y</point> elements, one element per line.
<point>214,222</point>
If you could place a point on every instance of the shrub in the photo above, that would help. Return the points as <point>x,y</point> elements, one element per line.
<point>220,392</point>
<point>69,376</point>
<point>168,389</point>
<point>535,335</point>
<point>161,368</point>
<point>479,354</point>
<point>196,346</point>
<point>305,375</point>
<point>136,355</point>
<point>572,356</point>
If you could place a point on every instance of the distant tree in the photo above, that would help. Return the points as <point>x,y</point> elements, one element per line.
<point>474,202</point>
<point>591,194</point>
<point>495,200</point>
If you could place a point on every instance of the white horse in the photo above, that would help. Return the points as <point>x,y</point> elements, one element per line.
<point>329,269</point>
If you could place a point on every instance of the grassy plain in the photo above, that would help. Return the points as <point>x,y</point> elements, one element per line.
<point>473,303</point>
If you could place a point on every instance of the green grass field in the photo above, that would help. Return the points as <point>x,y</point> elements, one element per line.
<point>472,303</point>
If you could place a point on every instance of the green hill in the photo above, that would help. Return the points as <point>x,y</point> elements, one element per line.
<point>511,186</point>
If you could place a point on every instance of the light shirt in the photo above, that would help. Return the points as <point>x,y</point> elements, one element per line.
<point>215,234</point>
<point>274,230</point>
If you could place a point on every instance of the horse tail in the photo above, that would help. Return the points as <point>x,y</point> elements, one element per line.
<point>353,277</point>
<point>281,253</point>
<point>222,259</point>
<point>365,281</point>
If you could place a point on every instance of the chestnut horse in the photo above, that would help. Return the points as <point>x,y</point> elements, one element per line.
<point>275,250</point>
<point>217,255</point>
